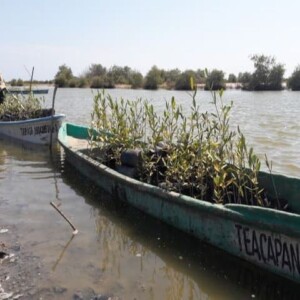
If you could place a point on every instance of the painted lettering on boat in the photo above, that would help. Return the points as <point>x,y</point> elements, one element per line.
<point>280,252</point>
<point>38,130</point>
<point>26,131</point>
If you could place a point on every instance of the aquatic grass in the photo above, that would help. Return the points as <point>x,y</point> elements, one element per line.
<point>197,154</point>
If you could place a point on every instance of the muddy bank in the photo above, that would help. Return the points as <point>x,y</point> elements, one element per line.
<point>20,270</point>
<point>23,276</point>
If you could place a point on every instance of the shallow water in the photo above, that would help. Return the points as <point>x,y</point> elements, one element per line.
<point>119,251</point>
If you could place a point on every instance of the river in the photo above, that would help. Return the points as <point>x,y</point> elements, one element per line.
<point>119,252</point>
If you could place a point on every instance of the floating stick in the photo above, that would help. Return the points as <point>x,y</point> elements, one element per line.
<point>75,231</point>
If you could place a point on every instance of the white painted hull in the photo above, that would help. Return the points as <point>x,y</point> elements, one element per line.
<point>36,131</point>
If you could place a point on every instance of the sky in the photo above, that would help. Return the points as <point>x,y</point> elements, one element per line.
<point>194,34</point>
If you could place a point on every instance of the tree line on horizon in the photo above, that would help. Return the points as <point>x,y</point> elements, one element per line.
<point>268,75</point>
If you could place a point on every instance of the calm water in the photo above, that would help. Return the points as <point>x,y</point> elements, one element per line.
<point>119,251</point>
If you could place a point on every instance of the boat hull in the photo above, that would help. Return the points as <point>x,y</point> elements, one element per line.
<point>37,131</point>
<point>264,237</point>
<point>26,92</point>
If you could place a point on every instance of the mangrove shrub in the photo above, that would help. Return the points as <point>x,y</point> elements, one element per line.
<point>18,107</point>
<point>153,79</point>
<point>184,80</point>
<point>196,154</point>
<point>294,80</point>
<point>63,76</point>
<point>215,80</point>
<point>267,76</point>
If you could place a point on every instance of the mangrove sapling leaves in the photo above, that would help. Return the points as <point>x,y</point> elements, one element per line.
<point>17,107</point>
<point>270,166</point>
<point>202,156</point>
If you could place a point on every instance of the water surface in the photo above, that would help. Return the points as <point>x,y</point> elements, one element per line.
<point>119,251</point>
<point>269,120</point>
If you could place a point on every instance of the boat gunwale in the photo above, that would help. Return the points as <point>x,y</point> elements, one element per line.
<point>33,120</point>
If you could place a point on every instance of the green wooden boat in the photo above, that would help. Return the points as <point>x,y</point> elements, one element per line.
<point>265,237</point>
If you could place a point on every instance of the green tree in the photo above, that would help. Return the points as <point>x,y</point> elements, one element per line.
<point>15,82</point>
<point>136,80</point>
<point>294,80</point>
<point>99,78</point>
<point>119,75</point>
<point>102,82</point>
<point>153,79</point>
<point>200,76</point>
<point>215,80</point>
<point>96,70</point>
<point>184,80</point>
<point>63,76</point>
<point>268,75</point>
<point>72,83</point>
<point>170,77</point>
<point>276,77</point>
<point>82,82</point>
<point>245,78</point>
<point>232,78</point>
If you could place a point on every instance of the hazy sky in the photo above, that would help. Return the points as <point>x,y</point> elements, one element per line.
<point>170,34</point>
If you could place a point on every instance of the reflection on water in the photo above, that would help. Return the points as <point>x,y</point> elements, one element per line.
<point>168,263</point>
<point>118,250</point>
<point>62,252</point>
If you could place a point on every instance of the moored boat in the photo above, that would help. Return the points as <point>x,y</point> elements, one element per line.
<point>28,91</point>
<point>41,130</point>
<point>266,237</point>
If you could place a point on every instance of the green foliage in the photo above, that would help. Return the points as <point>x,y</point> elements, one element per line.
<point>63,76</point>
<point>61,81</point>
<point>16,107</point>
<point>232,78</point>
<point>262,65</point>
<point>244,78</point>
<point>121,123</point>
<point>183,81</point>
<point>196,154</point>
<point>268,75</point>
<point>200,76</point>
<point>171,77</point>
<point>215,80</point>
<point>99,77</point>
<point>136,80</point>
<point>82,82</point>
<point>99,82</point>
<point>153,79</point>
<point>276,77</point>
<point>294,80</point>
<point>15,82</point>
<point>73,82</point>
<point>119,75</point>
<point>96,70</point>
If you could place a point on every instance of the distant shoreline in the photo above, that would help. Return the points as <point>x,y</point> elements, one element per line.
<point>200,86</point>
